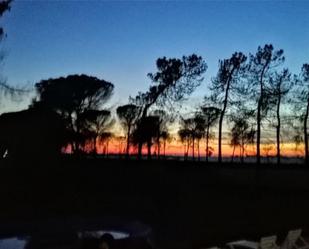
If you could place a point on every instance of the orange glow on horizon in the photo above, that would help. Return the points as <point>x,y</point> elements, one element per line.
<point>118,146</point>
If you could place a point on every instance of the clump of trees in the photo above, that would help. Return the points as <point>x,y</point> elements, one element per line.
<point>210,115</point>
<point>174,80</point>
<point>252,92</point>
<point>79,99</point>
<point>260,70</point>
<point>128,115</point>
<point>280,85</point>
<point>242,134</point>
<point>301,108</point>
<point>191,132</point>
<point>95,127</point>
<point>223,87</point>
<point>247,97</point>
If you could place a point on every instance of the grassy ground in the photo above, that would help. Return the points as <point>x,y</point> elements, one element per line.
<point>188,204</point>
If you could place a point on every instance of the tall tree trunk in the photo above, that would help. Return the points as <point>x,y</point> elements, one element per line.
<point>222,116</point>
<point>193,148</point>
<point>220,137</point>
<point>128,142</point>
<point>107,148</point>
<point>158,144</point>
<point>149,150</point>
<point>278,129</point>
<point>140,143</point>
<point>258,133</point>
<point>240,152</point>
<point>198,150</point>
<point>306,134</point>
<point>234,148</point>
<point>164,146</point>
<point>188,147</point>
<point>95,145</point>
<point>242,149</point>
<point>73,141</point>
<point>73,150</point>
<point>140,147</point>
<point>207,143</point>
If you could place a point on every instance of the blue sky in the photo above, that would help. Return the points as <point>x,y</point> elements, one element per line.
<point>119,41</point>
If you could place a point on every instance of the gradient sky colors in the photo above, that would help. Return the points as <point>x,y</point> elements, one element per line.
<point>119,41</point>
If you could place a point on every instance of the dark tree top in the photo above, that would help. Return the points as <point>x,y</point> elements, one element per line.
<point>228,72</point>
<point>210,114</point>
<point>127,113</point>
<point>174,80</point>
<point>265,57</point>
<point>4,6</point>
<point>73,93</point>
<point>305,72</point>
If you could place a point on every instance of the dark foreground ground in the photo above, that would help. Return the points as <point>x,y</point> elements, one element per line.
<point>188,204</point>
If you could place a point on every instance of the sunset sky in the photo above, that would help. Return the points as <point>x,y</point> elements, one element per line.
<point>119,41</point>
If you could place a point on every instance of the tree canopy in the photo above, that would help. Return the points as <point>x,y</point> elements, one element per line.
<point>128,114</point>
<point>71,97</point>
<point>174,80</point>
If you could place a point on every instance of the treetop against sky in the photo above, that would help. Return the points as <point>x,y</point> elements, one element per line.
<point>120,41</point>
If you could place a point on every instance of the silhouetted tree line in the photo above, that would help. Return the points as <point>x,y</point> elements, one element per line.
<point>247,95</point>
<point>252,91</point>
<point>246,91</point>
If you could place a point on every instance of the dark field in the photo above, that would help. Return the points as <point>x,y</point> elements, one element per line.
<point>188,204</point>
